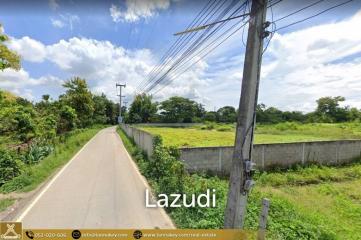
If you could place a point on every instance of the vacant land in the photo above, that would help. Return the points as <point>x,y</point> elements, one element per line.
<point>310,203</point>
<point>223,135</point>
<point>306,203</point>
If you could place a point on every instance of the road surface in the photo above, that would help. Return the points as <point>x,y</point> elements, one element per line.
<point>99,188</point>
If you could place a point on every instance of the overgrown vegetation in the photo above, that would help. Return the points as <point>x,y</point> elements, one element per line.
<point>212,134</point>
<point>31,175</point>
<point>311,203</point>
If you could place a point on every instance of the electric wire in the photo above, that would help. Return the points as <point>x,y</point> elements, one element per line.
<point>191,46</point>
<point>315,15</point>
<point>190,51</point>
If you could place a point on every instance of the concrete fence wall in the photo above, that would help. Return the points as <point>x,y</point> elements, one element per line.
<point>168,124</point>
<point>266,156</point>
<point>143,139</point>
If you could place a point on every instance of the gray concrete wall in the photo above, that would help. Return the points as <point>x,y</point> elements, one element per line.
<point>143,139</point>
<point>168,124</point>
<point>266,156</point>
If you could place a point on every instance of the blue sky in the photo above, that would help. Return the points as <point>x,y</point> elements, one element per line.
<point>121,41</point>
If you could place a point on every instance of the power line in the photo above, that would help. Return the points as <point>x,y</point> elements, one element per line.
<point>169,81</point>
<point>194,47</point>
<point>315,15</point>
<point>170,51</point>
<point>299,10</point>
<point>186,42</point>
<point>198,28</point>
<point>190,51</point>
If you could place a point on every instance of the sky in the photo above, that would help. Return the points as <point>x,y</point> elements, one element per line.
<point>113,41</point>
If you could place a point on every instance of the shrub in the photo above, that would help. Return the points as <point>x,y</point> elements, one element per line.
<point>224,129</point>
<point>36,153</point>
<point>165,169</point>
<point>9,167</point>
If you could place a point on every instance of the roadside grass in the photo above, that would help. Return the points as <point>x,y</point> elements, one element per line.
<point>34,175</point>
<point>224,134</point>
<point>5,203</point>
<point>314,174</point>
<point>315,202</point>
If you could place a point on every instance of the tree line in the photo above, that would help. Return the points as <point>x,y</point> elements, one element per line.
<point>183,110</point>
<point>22,120</point>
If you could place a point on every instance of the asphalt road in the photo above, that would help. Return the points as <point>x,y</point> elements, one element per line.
<point>99,188</point>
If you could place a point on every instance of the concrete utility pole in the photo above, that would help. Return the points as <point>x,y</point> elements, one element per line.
<point>120,120</point>
<point>240,181</point>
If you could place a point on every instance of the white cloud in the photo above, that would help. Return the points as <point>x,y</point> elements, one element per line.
<point>311,63</point>
<point>298,68</point>
<point>115,13</point>
<point>57,23</point>
<point>53,5</point>
<point>137,9</point>
<point>30,50</point>
<point>64,20</point>
<point>20,82</point>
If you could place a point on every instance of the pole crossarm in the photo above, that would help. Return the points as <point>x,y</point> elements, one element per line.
<point>210,24</point>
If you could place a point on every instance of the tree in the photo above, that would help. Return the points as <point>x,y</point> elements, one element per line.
<point>211,116</point>
<point>79,98</point>
<point>100,105</point>
<point>180,110</point>
<point>112,112</point>
<point>142,109</point>
<point>67,119</point>
<point>329,110</point>
<point>227,114</point>
<point>8,58</point>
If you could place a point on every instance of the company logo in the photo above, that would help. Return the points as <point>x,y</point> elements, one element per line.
<point>10,230</point>
<point>76,234</point>
<point>30,234</point>
<point>137,234</point>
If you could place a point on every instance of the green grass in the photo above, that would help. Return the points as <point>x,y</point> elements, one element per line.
<point>306,203</point>
<point>34,175</point>
<point>5,203</point>
<point>223,135</point>
<point>330,209</point>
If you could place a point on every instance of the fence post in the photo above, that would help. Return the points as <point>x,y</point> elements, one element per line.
<point>263,219</point>
<point>303,153</point>
<point>220,160</point>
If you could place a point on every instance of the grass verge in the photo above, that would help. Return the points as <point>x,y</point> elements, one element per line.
<point>34,175</point>
<point>5,203</point>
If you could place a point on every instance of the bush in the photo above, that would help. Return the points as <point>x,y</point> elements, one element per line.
<point>36,153</point>
<point>9,167</point>
<point>208,126</point>
<point>224,129</point>
<point>165,169</point>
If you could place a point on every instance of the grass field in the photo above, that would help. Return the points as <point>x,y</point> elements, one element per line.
<point>223,135</point>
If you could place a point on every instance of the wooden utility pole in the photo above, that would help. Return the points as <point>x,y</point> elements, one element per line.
<point>240,181</point>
